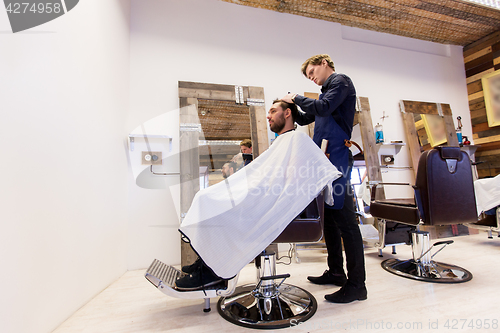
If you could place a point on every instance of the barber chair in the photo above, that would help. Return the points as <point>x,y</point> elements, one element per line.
<point>488,223</point>
<point>444,195</point>
<point>270,303</point>
<point>380,235</point>
<point>385,234</point>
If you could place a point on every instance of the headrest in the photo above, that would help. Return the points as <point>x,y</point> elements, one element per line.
<point>447,153</point>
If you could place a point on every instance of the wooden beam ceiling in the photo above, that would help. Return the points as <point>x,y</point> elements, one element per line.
<point>442,21</point>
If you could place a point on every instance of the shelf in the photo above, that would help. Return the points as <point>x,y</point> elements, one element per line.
<point>133,136</point>
<point>152,136</point>
<point>392,144</point>
<point>397,145</point>
<point>470,149</point>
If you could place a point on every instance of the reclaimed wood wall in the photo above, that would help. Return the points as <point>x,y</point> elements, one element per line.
<point>483,57</point>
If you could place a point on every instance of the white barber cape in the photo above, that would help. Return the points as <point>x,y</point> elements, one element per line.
<point>230,223</point>
<point>487,193</point>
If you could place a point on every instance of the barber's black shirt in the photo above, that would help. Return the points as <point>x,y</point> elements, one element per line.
<point>338,99</point>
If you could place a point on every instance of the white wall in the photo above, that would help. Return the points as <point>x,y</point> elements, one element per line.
<point>216,42</point>
<point>63,105</point>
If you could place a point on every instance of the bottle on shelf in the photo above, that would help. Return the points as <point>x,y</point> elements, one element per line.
<point>379,133</point>
<point>459,130</point>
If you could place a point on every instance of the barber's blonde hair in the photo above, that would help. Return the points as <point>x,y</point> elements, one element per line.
<point>246,143</point>
<point>316,60</point>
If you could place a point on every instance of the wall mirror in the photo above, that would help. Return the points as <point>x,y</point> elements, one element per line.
<point>214,118</point>
<point>431,130</point>
<point>427,125</point>
<point>224,125</point>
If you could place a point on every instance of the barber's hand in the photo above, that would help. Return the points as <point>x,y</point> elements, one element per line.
<point>237,158</point>
<point>288,98</point>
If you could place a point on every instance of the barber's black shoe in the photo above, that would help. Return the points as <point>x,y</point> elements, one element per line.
<point>348,294</point>
<point>201,278</point>
<point>328,278</point>
<point>191,268</point>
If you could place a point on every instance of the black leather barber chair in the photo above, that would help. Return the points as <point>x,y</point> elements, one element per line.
<point>444,195</point>
<point>271,303</point>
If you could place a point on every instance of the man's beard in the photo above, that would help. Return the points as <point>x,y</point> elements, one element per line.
<point>278,125</point>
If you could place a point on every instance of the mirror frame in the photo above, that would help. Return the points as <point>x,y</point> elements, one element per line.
<point>408,109</point>
<point>189,93</point>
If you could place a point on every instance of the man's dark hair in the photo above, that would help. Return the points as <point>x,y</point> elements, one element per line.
<point>292,106</point>
<point>233,165</point>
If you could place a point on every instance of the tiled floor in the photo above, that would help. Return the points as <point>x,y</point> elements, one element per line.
<point>394,304</point>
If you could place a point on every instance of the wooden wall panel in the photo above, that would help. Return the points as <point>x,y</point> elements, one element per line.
<point>311,125</point>
<point>481,58</point>
<point>223,120</point>
<point>189,166</point>
<point>258,122</point>
<point>370,149</point>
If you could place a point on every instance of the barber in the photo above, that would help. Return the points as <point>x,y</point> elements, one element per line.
<point>333,115</point>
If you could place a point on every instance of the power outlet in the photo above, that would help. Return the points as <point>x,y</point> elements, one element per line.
<point>151,158</point>
<point>387,159</point>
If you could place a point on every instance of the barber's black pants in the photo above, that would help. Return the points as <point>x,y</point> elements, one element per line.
<point>341,223</point>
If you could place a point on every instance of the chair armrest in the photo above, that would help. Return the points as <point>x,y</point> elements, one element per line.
<point>375,184</point>
<point>382,183</point>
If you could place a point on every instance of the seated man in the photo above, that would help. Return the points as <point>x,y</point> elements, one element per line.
<point>228,169</point>
<point>230,223</point>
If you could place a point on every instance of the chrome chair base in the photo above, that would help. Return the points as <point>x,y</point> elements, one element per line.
<point>433,272</point>
<point>290,306</point>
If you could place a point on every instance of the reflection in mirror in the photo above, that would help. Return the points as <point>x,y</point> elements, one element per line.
<point>431,130</point>
<point>224,125</point>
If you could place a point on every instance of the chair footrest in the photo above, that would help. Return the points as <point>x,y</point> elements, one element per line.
<point>163,277</point>
<point>159,272</point>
